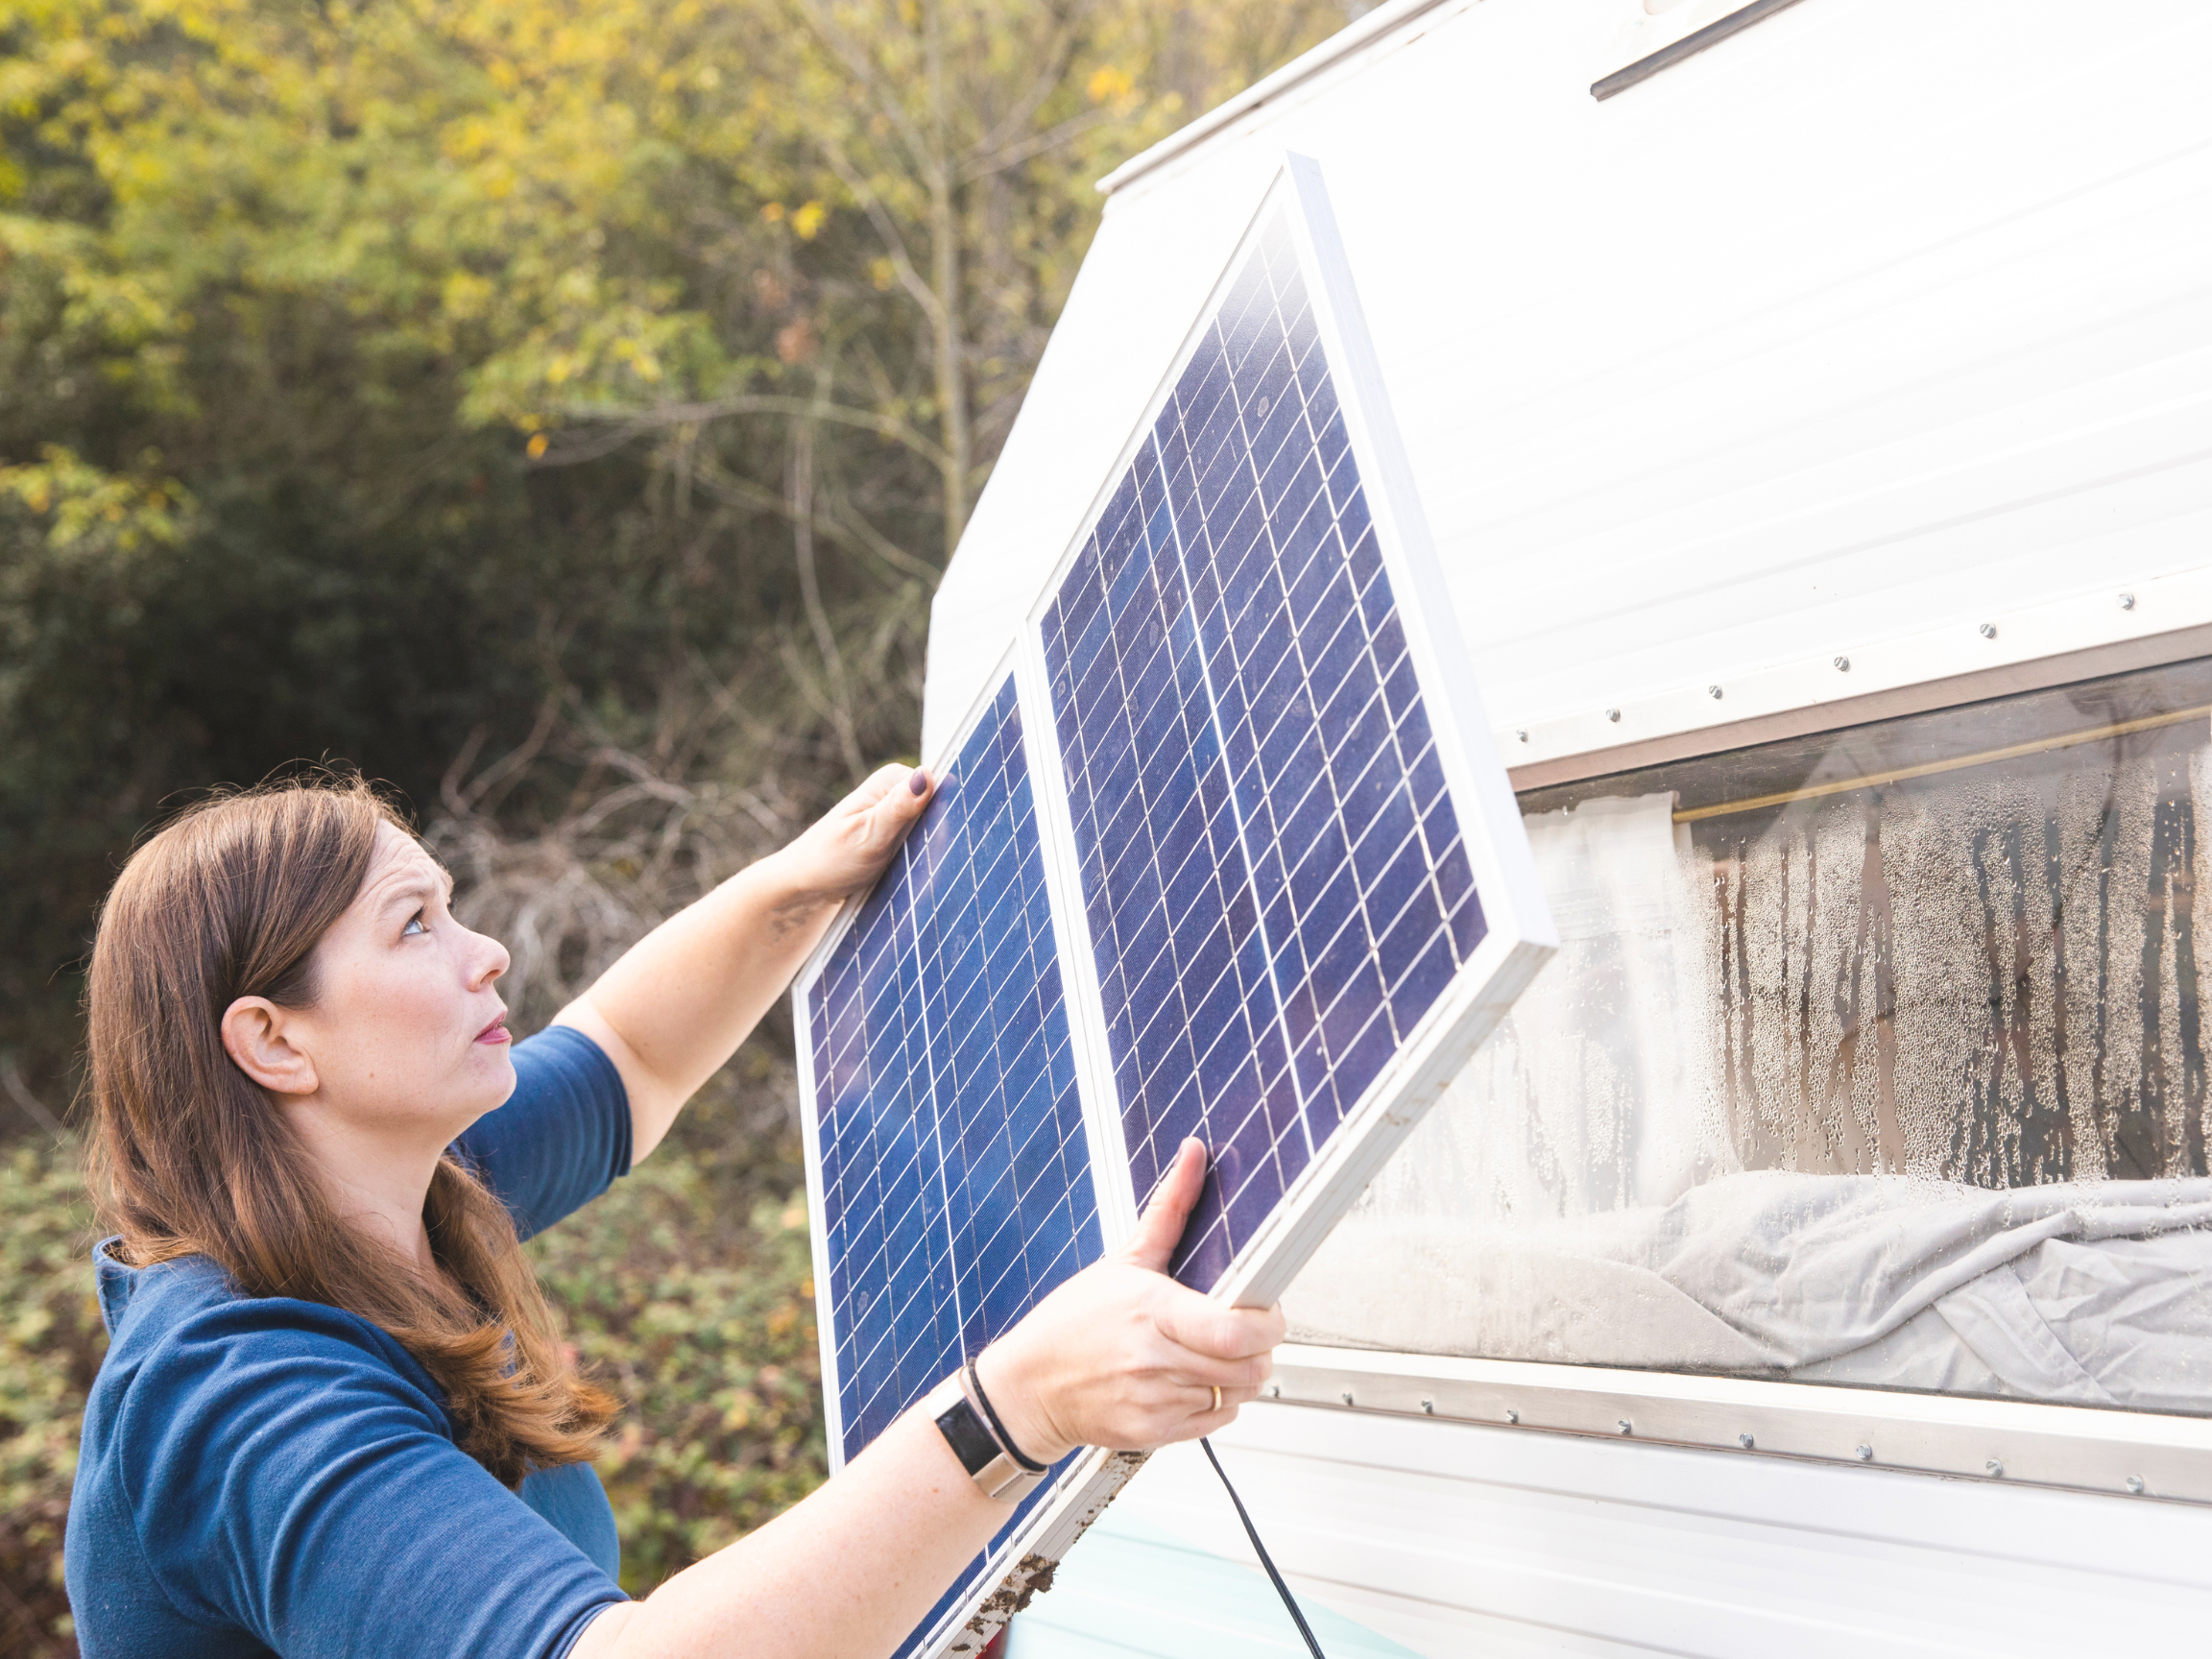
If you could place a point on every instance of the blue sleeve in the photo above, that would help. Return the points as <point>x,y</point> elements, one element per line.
<point>289,1482</point>
<point>561,1138</point>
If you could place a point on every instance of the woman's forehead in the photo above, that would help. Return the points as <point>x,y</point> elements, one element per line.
<point>398,858</point>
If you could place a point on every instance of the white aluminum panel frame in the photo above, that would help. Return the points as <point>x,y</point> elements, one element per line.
<point>1519,936</point>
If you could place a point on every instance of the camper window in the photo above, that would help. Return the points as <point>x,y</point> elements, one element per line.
<point>1875,1057</point>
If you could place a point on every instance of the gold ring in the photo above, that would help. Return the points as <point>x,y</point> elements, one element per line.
<point>1217,1396</point>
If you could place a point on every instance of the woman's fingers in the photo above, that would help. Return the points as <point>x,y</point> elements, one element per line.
<point>1161,1227</point>
<point>1212,1330</point>
<point>843,851</point>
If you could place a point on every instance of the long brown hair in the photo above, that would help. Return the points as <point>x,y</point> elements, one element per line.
<point>190,1157</point>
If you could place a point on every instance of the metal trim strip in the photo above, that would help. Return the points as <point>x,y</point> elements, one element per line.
<point>2076,1448</point>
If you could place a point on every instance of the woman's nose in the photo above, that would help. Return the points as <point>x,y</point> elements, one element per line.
<point>492,959</point>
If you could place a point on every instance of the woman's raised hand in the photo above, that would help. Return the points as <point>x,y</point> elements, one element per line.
<point>841,852</point>
<point>1121,1354</point>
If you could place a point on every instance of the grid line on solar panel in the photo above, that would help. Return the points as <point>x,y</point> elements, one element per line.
<point>955,1171</point>
<point>1271,866</point>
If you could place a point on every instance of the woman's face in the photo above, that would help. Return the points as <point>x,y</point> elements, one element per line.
<point>406,1025</point>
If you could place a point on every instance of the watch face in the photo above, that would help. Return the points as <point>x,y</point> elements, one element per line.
<point>965,1433</point>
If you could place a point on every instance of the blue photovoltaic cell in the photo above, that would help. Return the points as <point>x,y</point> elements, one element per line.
<point>955,1178</point>
<point>1271,867</point>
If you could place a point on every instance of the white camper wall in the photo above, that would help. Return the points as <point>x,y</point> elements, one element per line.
<point>1877,322</point>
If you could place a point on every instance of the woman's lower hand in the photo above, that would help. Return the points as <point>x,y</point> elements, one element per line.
<point>1122,1355</point>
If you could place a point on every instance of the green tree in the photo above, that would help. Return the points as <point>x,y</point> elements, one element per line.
<point>565,411</point>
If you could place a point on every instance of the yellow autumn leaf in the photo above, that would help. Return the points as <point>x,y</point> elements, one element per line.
<point>1108,83</point>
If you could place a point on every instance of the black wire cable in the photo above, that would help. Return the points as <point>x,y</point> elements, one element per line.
<point>1267,1562</point>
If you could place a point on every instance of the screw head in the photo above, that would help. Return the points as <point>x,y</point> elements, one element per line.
<point>1614,715</point>
<point>1275,1390</point>
<point>1746,1441</point>
<point>1714,692</point>
<point>1622,1424</point>
<point>1864,1453</point>
<point>1522,733</point>
<point>1430,1406</point>
<point>1347,1396</point>
<point>2127,601</point>
<point>2135,1484</point>
<point>1989,630</point>
<point>1511,1415</point>
<point>1842,664</point>
<point>1994,1467</point>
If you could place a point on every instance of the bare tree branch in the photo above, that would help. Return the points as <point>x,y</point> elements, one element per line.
<point>862,69</point>
<point>636,423</point>
<point>31,1106</point>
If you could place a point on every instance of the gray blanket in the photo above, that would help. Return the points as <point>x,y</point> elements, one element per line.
<point>2093,1293</point>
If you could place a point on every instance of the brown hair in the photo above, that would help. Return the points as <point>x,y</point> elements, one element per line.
<point>190,1157</point>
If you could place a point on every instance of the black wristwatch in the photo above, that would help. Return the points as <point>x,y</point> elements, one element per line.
<point>992,1462</point>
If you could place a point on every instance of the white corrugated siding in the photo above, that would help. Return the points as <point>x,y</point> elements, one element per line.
<point>1877,320</point>
<point>1881,319</point>
<point>1459,1539</point>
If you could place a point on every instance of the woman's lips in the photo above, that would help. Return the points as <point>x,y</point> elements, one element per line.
<point>496,1032</point>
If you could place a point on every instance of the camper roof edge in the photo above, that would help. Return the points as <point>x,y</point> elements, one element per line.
<point>1381,26</point>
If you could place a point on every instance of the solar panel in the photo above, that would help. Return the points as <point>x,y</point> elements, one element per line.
<point>1225,850</point>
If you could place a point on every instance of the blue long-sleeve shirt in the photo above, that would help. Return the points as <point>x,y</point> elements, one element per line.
<point>260,1475</point>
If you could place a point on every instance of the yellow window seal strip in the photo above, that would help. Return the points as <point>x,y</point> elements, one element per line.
<point>1874,779</point>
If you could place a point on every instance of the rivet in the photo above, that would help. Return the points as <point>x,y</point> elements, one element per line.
<point>1989,630</point>
<point>2135,1484</point>
<point>1511,1415</point>
<point>1864,1453</point>
<point>1275,1390</point>
<point>2127,601</point>
<point>1995,1468</point>
<point>1430,1406</point>
<point>1613,714</point>
<point>1522,735</point>
<point>1347,1396</point>
<point>1622,1424</point>
<point>1842,664</point>
<point>1746,1441</point>
<point>1714,692</point>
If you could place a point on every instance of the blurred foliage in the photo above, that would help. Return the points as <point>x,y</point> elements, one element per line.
<point>562,409</point>
<point>50,1345</point>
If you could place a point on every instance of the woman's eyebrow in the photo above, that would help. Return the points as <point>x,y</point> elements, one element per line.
<point>413,886</point>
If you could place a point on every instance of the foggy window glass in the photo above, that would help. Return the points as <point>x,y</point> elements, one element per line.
<point>1875,1057</point>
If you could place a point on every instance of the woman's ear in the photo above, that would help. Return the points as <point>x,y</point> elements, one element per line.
<point>256,1036</point>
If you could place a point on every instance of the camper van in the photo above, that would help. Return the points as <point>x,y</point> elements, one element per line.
<point>1811,404</point>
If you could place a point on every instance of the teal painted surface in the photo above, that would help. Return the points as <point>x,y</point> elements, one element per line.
<point>1129,1589</point>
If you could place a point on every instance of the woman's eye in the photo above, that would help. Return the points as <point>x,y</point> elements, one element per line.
<point>415,923</point>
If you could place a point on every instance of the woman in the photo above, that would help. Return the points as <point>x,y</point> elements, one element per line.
<point>335,1416</point>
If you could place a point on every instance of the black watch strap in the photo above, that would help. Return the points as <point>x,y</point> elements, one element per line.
<point>972,1384</point>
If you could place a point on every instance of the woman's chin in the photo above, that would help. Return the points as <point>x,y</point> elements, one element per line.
<point>494,1079</point>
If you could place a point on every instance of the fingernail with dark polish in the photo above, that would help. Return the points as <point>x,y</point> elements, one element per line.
<point>919,783</point>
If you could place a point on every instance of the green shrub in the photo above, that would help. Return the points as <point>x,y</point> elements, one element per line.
<point>51,1342</point>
